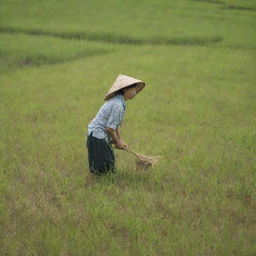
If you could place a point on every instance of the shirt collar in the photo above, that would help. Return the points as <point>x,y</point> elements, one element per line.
<point>121,98</point>
<point>123,101</point>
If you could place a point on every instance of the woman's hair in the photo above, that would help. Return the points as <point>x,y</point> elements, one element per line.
<point>121,91</point>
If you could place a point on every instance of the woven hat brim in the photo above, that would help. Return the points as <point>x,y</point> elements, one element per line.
<point>139,88</point>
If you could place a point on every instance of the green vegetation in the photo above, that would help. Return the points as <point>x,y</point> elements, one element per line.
<point>59,58</point>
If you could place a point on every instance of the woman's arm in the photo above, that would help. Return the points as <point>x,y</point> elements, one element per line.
<point>117,141</point>
<point>118,132</point>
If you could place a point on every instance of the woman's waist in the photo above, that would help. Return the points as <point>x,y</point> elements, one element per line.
<point>98,132</point>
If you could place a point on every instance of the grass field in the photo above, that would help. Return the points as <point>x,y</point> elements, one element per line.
<point>198,110</point>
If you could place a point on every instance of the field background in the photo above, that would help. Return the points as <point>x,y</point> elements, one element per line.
<point>58,60</point>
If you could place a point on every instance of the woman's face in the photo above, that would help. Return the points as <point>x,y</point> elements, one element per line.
<point>129,93</point>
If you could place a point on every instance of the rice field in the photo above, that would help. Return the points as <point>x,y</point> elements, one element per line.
<point>197,111</point>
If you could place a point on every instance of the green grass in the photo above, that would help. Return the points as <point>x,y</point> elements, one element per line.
<point>197,111</point>
<point>134,21</point>
<point>33,51</point>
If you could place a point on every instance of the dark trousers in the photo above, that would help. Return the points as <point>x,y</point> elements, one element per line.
<point>101,156</point>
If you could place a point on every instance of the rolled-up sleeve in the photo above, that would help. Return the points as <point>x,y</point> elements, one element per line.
<point>115,117</point>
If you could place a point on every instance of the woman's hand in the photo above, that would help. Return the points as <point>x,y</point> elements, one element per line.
<point>121,145</point>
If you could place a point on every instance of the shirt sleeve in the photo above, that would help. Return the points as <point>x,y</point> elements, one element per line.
<point>115,117</point>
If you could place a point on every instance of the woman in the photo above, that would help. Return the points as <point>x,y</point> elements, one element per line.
<point>104,129</point>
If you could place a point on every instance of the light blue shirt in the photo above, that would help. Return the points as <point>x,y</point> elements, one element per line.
<point>111,115</point>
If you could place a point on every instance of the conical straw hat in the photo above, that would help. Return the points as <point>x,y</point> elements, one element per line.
<point>123,81</point>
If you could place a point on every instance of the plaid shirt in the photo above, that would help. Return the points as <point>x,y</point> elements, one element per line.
<point>111,115</point>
